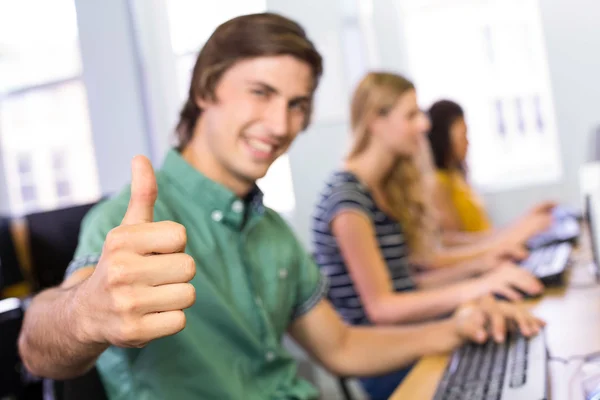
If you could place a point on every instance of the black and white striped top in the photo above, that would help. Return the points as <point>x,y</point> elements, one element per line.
<point>344,191</point>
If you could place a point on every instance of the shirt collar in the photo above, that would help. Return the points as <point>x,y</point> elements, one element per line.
<point>223,205</point>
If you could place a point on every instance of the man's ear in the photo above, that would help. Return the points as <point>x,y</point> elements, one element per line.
<point>203,101</point>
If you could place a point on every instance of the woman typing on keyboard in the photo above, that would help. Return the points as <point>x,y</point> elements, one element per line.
<point>370,225</point>
<point>460,208</point>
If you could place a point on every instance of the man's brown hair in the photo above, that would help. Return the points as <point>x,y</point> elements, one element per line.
<point>244,37</point>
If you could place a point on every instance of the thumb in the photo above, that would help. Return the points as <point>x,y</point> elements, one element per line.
<point>143,192</point>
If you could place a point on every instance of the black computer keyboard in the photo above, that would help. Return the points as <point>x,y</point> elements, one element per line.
<point>548,263</point>
<point>515,369</point>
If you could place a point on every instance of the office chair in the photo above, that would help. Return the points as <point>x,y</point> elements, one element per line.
<point>15,382</point>
<point>343,383</point>
<point>88,386</point>
<point>342,380</point>
<point>10,269</point>
<point>11,318</point>
<point>53,237</point>
<point>14,379</point>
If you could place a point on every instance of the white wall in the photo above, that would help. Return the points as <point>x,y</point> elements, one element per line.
<point>111,73</point>
<point>313,157</point>
<point>389,36</point>
<point>152,37</point>
<point>574,64</point>
<point>4,200</point>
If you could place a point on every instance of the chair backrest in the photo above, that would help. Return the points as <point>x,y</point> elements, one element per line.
<point>53,237</point>
<point>10,270</point>
<point>88,386</point>
<point>11,318</point>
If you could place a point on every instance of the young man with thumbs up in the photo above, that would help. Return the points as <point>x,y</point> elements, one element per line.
<point>184,284</point>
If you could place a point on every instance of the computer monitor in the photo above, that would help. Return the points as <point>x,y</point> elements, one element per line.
<point>594,148</point>
<point>592,218</point>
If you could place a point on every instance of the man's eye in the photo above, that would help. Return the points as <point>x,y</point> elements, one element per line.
<point>259,92</point>
<point>299,106</point>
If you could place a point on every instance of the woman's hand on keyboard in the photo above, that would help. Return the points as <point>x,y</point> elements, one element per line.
<point>511,282</point>
<point>502,315</point>
<point>497,257</point>
<point>510,250</point>
<point>487,317</point>
<point>536,221</point>
<point>470,322</point>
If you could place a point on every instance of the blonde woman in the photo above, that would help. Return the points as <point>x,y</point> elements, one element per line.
<point>432,246</point>
<point>368,219</point>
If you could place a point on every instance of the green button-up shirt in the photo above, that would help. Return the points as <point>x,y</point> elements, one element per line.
<point>253,278</point>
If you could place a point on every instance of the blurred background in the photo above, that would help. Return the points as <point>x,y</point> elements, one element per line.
<point>86,85</point>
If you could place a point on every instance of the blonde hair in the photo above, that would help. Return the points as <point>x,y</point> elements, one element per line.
<point>407,188</point>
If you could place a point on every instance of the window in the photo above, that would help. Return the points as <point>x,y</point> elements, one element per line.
<point>358,40</point>
<point>24,163</point>
<point>43,107</point>
<point>489,56</point>
<point>26,179</point>
<point>191,23</point>
<point>28,193</point>
<point>58,160</point>
<point>61,175</point>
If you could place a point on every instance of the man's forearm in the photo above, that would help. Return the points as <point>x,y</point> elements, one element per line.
<point>50,343</point>
<point>369,351</point>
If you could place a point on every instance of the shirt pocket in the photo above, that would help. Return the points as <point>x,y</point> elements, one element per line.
<point>278,283</point>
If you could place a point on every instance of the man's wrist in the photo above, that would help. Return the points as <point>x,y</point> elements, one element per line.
<point>79,318</point>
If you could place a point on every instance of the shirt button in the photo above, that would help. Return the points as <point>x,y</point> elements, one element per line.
<point>237,206</point>
<point>217,215</point>
<point>283,273</point>
<point>270,356</point>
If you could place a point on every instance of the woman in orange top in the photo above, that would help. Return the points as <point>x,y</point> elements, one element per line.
<point>460,207</point>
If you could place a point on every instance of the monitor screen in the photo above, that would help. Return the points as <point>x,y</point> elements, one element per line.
<point>592,218</point>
